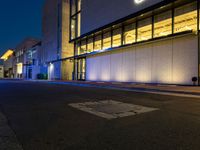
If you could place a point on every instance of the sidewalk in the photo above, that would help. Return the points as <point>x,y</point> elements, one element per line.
<point>137,87</point>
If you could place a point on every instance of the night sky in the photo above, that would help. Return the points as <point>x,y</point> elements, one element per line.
<point>19,19</point>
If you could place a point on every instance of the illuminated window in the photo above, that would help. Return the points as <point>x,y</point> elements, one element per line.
<point>163,24</point>
<point>77,48</point>
<point>83,49</point>
<point>73,27</point>
<point>19,68</point>
<point>97,43</point>
<point>117,36</point>
<point>90,45</point>
<point>144,30</point>
<point>129,34</point>
<point>75,18</point>
<point>185,18</point>
<point>107,40</point>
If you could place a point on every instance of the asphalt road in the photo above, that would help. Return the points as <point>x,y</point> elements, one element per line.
<point>39,115</point>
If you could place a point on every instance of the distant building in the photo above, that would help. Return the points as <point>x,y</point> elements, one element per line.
<point>19,63</point>
<point>33,61</point>
<point>1,69</point>
<point>8,58</point>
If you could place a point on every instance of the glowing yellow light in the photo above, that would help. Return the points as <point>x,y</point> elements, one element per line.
<point>7,54</point>
<point>19,68</point>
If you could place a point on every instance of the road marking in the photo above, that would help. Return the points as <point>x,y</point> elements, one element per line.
<point>110,109</point>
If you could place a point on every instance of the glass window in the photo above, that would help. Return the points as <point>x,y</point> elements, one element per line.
<point>73,27</point>
<point>97,43</point>
<point>117,36</point>
<point>79,25</point>
<point>73,7</point>
<point>185,18</point>
<point>129,34</point>
<point>107,40</point>
<point>79,5</point>
<point>77,48</point>
<point>90,45</point>
<point>163,24</point>
<point>144,29</point>
<point>83,49</point>
<point>75,18</point>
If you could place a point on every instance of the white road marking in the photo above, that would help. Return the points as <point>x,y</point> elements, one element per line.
<point>110,109</point>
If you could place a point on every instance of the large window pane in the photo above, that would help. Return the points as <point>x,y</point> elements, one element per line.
<point>78,25</point>
<point>73,27</point>
<point>107,40</point>
<point>83,49</point>
<point>77,48</point>
<point>79,5</point>
<point>90,45</point>
<point>73,7</point>
<point>117,36</point>
<point>97,43</point>
<point>185,18</point>
<point>129,34</point>
<point>163,24</point>
<point>144,29</point>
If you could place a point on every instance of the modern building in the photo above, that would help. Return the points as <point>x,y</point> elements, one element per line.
<point>143,41</point>
<point>8,58</point>
<point>19,62</point>
<point>56,49</point>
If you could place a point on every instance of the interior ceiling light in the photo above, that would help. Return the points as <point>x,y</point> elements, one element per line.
<point>138,1</point>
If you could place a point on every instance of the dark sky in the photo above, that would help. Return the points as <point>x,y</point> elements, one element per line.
<point>19,19</point>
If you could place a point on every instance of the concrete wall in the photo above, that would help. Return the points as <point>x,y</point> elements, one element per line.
<point>107,11</point>
<point>173,61</point>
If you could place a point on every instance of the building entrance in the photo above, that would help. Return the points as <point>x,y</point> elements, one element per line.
<point>80,68</point>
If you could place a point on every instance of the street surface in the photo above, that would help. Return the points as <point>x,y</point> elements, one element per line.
<point>40,115</point>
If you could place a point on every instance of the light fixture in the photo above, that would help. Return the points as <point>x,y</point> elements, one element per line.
<point>138,1</point>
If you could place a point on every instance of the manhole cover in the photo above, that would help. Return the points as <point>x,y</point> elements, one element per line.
<point>110,109</point>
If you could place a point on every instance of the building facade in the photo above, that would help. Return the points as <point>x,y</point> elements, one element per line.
<point>19,62</point>
<point>33,62</point>
<point>142,41</point>
<point>56,48</point>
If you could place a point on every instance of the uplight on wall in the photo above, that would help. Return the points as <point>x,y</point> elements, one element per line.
<point>139,1</point>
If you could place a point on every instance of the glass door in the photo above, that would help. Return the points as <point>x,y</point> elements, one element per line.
<point>81,68</point>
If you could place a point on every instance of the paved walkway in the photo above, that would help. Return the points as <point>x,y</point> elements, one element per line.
<point>174,90</point>
<point>8,140</point>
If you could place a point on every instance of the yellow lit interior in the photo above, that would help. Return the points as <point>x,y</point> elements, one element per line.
<point>97,45</point>
<point>186,22</point>
<point>163,28</point>
<point>117,40</point>
<point>129,37</point>
<point>7,54</point>
<point>19,68</point>
<point>90,47</point>
<point>144,33</point>
<point>107,41</point>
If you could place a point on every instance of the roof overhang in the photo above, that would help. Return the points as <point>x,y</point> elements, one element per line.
<point>7,54</point>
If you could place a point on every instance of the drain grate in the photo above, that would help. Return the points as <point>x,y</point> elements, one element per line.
<point>110,109</point>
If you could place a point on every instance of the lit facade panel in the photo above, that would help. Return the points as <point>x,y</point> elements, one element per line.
<point>168,61</point>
